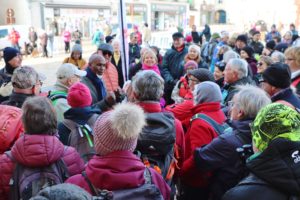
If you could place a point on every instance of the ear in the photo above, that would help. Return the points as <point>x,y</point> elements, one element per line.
<point>241,114</point>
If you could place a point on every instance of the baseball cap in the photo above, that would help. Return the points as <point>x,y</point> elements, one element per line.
<point>67,70</point>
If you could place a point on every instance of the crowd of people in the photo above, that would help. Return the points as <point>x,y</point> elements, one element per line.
<point>214,118</point>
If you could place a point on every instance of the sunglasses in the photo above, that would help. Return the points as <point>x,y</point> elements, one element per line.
<point>106,53</point>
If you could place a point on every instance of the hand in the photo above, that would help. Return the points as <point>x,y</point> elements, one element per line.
<point>6,89</point>
<point>119,94</point>
<point>110,99</point>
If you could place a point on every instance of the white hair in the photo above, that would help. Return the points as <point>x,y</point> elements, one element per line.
<point>250,99</point>
<point>277,56</point>
<point>230,54</point>
<point>240,66</point>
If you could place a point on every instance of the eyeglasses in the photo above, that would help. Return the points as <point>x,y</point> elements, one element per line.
<point>260,64</point>
<point>106,53</point>
<point>193,80</point>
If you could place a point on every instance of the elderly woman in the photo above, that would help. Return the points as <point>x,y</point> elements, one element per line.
<point>137,67</point>
<point>274,167</point>
<point>207,101</point>
<point>263,63</point>
<point>117,62</point>
<point>292,59</point>
<point>38,148</point>
<point>220,155</point>
<point>194,54</point>
<point>278,56</point>
<point>76,57</point>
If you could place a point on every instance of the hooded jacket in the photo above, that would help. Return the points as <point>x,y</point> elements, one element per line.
<point>37,151</point>
<point>275,174</point>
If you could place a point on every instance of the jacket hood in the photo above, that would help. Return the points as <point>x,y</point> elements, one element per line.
<point>120,169</point>
<point>241,126</point>
<point>279,166</point>
<point>80,115</point>
<point>37,150</point>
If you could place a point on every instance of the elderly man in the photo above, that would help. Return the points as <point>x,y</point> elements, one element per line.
<point>235,74</point>
<point>276,82</point>
<point>171,64</point>
<point>148,89</point>
<point>67,74</point>
<point>134,49</point>
<point>94,82</point>
<point>26,83</point>
<point>13,59</point>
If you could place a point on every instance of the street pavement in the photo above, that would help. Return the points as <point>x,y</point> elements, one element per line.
<point>49,66</point>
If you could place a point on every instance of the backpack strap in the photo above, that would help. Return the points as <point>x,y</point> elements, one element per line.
<point>147,176</point>
<point>55,95</point>
<point>91,186</point>
<point>209,120</point>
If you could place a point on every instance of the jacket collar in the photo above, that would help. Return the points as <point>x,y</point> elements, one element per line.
<point>206,107</point>
<point>150,106</point>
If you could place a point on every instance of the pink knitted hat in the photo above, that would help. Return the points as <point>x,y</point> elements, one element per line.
<point>118,130</point>
<point>79,96</point>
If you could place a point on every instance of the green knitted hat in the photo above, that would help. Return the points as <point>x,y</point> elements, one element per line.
<point>274,121</point>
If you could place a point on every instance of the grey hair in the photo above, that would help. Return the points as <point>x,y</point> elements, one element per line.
<point>250,99</point>
<point>230,54</point>
<point>148,86</point>
<point>240,66</point>
<point>94,57</point>
<point>277,56</point>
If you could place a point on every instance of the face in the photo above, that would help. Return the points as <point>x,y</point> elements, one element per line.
<point>134,39</point>
<point>235,112</point>
<point>218,73</point>
<point>256,37</point>
<point>193,54</point>
<point>267,88</point>
<point>116,46</point>
<point>107,55</point>
<point>239,44</point>
<point>149,59</point>
<point>291,62</point>
<point>192,82</point>
<point>230,76</point>
<point>37,88</point>
<point>194,28</point>
<point>244,55</point>
<point>72,80</point>
<point>98,66</point>
<point>261,66</point>
<point>266,52</point>
<point>76,55</point>
<point>16,61</point>
<point>178,42</point>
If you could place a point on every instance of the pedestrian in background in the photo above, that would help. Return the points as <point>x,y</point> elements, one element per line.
<point>67,39</point>
<point>76,57</point>
<point>14,38</point>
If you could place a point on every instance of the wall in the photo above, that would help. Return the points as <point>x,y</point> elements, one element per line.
<point>21,8</point>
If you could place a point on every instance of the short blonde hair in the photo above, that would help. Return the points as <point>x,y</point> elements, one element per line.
<point>149,52</point>
<point>293,52</point>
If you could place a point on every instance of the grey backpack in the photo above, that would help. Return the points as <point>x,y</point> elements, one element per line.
<point>148,191</point>
<point>82,137</point>
<point>26,182</point>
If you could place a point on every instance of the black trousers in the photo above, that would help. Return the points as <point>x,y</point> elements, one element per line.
<point>67,47</point>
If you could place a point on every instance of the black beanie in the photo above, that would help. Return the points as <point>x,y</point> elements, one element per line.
<point>278,75</point>
<point>242,38</point>
<point>248,50</point>
<point>9,53</point>
<point>271,44</point>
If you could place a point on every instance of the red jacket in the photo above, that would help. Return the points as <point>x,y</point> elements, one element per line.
<point>183,111</point>
<point>199,133</point>
<point>14,37</point>
<point>151,107</point>
<point>118,170</point>
<point>110,77</point>
<point>37,151</point>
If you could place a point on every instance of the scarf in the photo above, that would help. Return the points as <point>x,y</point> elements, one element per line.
<point>117,57</point>
<point>98,83</point>
<point>153,68</point>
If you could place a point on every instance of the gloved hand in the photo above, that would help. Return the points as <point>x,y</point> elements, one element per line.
<point>6,89</point>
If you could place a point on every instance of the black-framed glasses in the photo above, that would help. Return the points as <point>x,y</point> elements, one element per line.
<point>107,53</point>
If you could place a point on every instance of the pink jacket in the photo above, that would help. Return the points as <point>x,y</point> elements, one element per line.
<point>67,36</point>
<point>118,170</point>
<point>37,151</point>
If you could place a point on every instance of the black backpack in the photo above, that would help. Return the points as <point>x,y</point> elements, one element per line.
<point>156,144</point>
<point>26,182</point>
<point>219,128</point>
<point>82,137</point>
<point>147,191</point>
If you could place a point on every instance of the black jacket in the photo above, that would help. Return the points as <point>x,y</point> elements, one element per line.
<point>134,52</point>
<point>257,47</point>
<point>5,78</point>
<point>16,99</point>
<point>119,69</point>
<point>221,157</point>
<point>275,174</point>
<point>287,95</point>
<point>78,115</point>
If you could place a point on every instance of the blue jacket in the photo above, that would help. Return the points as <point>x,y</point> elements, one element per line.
<point>287,95</point>
<point>78,115</point>
<point>221,157</point>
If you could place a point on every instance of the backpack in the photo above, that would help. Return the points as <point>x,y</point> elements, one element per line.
<point>147,191</point>
<point>157,146</point>
<point>26,182</point>
<point>11,126</point>
<point>219,128</point>
<point>55,95</point>
<point>82,137</point>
